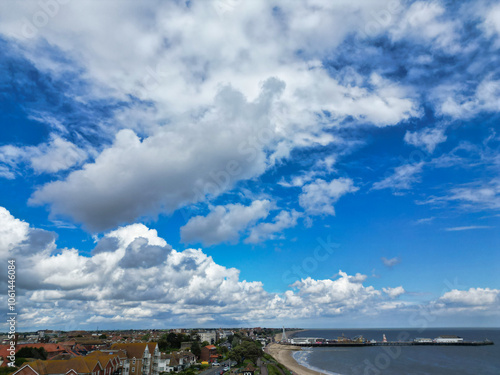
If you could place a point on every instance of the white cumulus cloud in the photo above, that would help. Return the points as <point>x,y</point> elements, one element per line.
<point>318,197</point>
<point>269,230</point>
<point>426,138</point>
<point>224,223</point>
<point>133,275</point>
<point>201,110</point>
<point>472,297</point>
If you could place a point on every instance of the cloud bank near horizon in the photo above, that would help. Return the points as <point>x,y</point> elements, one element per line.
<point>134,277</point>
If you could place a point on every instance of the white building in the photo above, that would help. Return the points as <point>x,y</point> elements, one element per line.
<point>208,336</point>
<point>306,340</point>
<point>448,339</point>
<point>422,340</point>
<point>225,334</point>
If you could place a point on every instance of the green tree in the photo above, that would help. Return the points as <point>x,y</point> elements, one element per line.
<point>251,350</point>
<point>236,354</point>
<point>163,343</point>
<point>235,341</point>
<point>31,352</point>
<point>196,349</point>
<point>7,370</point>
<point>222,350</point>
<point>19,361</point>
<point>103,337</point>
<point>246,350</point>
<point>181,337</point>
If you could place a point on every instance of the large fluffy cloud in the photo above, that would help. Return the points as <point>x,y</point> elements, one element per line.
<point>134,275</point>
<point>189,73</point>
<point>12,232</point>
<point>178,165</point>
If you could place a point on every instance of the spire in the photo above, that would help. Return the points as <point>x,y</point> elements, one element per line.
<point>283,336</point>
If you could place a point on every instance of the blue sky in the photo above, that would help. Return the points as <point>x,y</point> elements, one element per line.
<point>236,163</point>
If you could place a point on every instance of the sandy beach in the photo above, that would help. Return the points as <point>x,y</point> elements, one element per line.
<point>283,354</point>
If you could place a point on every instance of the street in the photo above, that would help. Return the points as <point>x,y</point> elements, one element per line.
<point>215,370</point>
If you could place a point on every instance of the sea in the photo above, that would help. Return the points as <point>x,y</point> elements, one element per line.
<point>402,360</point>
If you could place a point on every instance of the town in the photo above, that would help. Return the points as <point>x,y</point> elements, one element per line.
<point>142,352</point>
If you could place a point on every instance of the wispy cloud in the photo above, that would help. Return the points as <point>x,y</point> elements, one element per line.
<point>403,178</point>
<point>470,227</point>
<point>426,138</point>
<point>390,262</point>
<point>476,196</point>
<point>425,220</point>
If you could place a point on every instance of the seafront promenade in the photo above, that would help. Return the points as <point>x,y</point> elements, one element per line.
<point>283,354</point>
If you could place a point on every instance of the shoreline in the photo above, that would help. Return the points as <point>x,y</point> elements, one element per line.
<point>283,354</point>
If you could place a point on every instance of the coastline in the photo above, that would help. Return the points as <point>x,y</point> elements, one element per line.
<point>283,354</point>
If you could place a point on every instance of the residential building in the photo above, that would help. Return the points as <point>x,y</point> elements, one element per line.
<point>164,363</point>
<point>176,361</point>
<point>209,354</point>
<point>249,370</point>
<point>97,364</point>
<point>186,345</point>
<point>224,334</point>
<point>139,358</point>
<point>208,336</point>
<point>169,363</point>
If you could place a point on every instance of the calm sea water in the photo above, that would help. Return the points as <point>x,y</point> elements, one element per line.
<point>402,360</point>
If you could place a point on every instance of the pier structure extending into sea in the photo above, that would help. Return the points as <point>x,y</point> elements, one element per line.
<point>360,341</point>
<point>394,343</point>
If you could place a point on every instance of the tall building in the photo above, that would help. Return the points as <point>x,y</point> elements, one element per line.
<point>208,336</point>
<point>139,358</point>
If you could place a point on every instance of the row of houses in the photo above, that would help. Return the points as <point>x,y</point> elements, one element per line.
<point>63,350</point>
<point>176,361</point>
<point>120,359</point>
<point>96,363</point>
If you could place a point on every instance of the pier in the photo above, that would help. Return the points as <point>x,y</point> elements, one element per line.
<point>393,343</point>
<point>358,341</point>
